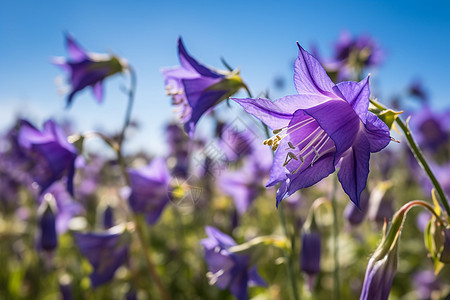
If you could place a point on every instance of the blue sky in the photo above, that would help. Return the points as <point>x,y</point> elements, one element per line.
<point>257,36</point>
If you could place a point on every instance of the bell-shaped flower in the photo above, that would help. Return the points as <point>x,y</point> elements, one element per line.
<point>196,88</point>
<point>324,126</point>
<point>47,238</point>
<point>228,270</point>
<point>150,189</point>
<point>106,252</point>
<point>53,154</point>
<point>88,69</point>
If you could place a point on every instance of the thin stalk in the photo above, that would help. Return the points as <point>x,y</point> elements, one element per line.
<point>288,256</point>
<point>137,220</point>
<point>419,156</point>
<point>336,291</point>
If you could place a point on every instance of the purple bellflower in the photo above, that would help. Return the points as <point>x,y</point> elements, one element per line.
<point>48,238</point>
<point>310,255</point>
<point>88,69</point>
<point>106,252</point>
<point>54,155</point>
<point>323,127</point>
<point>228,270</point>
<point>150,189</point>
<point>195,88</point>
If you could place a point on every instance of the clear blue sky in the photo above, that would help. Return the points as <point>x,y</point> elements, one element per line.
<point>258,36</point>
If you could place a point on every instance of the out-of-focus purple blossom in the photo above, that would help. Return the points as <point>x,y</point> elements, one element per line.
<point>106,252</point>
<point>425,282</point>
<point>88,69</point>
<point>353,214</point>
<point>379,275</point>
<point>422,220</point>
<point>416,89</point>
<point>353,55</point>
<point>108,217</point>
<point>88,175</point>
<point>324,126</point>
<point>431,130</point>
<point>67,208</point>
<point>150,189</point>
<point>195,88</point>
<point>48,239</point>
<point>382,210</point>
<point>228,270</point>
<point>66,291</point>
<point>53,155</point>
<point>244,185</point>
<point>236,143</point>
<point>310,255</point>
<point>180,148</point>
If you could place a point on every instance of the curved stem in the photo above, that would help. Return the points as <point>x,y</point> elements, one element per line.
<point>137,220</point>
<point>419,156</point>
<point>288,256</point>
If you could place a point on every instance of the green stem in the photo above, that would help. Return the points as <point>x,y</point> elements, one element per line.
<point>137,220</point>
<point>419,156</point>
<point>288,256</point>
<point>336,291</point>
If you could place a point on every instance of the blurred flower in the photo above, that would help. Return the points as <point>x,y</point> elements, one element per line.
<point>353,55</point>
<point>310,255</point>
<point>196,88</point>
<point>180,148</point>
<point>353,214</point>
<point>242,185</point>
<point>324,126</point>
<point>445,254</point>
<point>416,89</point>
<point>431,129</point>
<point>88,69</point>
<point>228,270</point>
<point>425,283</point>
<point>106,252</point>
<point>53,154</point>
<point>66,207</point>
<point>48,239</point>
<point>236,144</point>
<point>150,189</point>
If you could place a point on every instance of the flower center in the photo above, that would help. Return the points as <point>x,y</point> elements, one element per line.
<point>311,143</point>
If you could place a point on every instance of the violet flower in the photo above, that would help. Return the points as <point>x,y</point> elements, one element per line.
<point>323,127</point>
<point>54,155</point>
<point>228,270</point>
<point>88,69</point>
<point>425,283</point>
<point>195,88</point>
<point>106,252</point>
<point>48,239</point>
<point>310,255</point>
<point>150,189</point>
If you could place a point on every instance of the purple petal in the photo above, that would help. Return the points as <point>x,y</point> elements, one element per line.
<point>310,77</point>
<point>75,51</point>
<point>215,238</point>
<point>30,135</point>
<point>355,169</point>
<point>97,89</point>
<point>277,114</point>
<point>190,63</point>
<point>339,121</point>
<point>377,133</point>
<point>357,95</point>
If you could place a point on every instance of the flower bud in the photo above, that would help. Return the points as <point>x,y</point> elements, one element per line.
<point>48,239</point>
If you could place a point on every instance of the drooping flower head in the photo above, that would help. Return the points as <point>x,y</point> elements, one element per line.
<point>196,88</point>
<point>53,154</point>
<point>106,251</point>
<point>150,189</point>
<point>324,126</point>
<point>228,270</point>
<point>88,69</point>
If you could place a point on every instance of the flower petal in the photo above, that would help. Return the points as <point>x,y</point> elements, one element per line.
<point>338,119</point>
<point>97,89</point>
<point>311,175</point>
<point>357,95</point>
<point>377,133</point>
<point>355,169</point>
<point>190,63</point>
<point>75,51</point>
<point>310,77</point>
